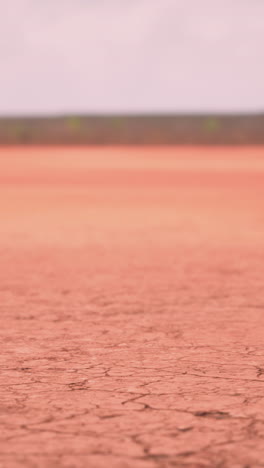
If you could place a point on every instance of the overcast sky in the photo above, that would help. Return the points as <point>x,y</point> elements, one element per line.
<point>131,55</point>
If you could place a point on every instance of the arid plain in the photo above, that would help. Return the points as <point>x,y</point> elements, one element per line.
<point>132,307</point>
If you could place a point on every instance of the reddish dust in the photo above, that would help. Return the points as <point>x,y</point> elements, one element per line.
<point>132,305</point>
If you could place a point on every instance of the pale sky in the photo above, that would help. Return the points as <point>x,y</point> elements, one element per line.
<point>88,56</point>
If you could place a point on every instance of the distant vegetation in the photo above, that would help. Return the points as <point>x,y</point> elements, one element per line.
<point>134,130</point>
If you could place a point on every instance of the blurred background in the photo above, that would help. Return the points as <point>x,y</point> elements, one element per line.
<point>164,58</point>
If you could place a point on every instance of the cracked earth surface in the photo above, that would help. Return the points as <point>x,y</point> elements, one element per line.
<point>131,312</point>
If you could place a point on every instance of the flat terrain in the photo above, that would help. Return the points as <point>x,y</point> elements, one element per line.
<point>132,307</point>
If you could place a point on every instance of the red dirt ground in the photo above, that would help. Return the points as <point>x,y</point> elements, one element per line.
<point>132,305</point>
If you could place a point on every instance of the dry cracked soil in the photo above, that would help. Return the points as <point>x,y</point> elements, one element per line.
<point>131,311</point>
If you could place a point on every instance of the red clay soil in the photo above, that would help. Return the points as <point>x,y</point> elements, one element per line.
<point>132,303</point>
